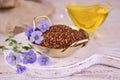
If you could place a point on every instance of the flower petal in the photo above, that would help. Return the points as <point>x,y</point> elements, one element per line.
<point>32,57</point>
<point>42,62</point>
<point>32,39</point>
<point>24,54</point>
<point>10,61</point>
<point>13,58</point>
<point>29,31</point>
<point>39,33</point>
<point>44,26</point>
<point>39,40</point>
<point>30,52</point>
<point>20,69</point>
<point>25,61</point>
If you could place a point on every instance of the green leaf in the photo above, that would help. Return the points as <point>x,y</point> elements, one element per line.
<point>31,46</point>
<point>39,52</point>
<point>14,41</point>
<point>19,43</point>
<point>3,48</point>
<point>15,49</point>
<point>9,38</point>
<point>20,52</point>
<point>10,43</point>
<point>26,47</point>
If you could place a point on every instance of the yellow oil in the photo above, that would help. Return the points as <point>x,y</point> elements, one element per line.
<point>87,17</point>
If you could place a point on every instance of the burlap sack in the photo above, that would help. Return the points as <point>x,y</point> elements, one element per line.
<point>7,3</point>
<point>17,19</point>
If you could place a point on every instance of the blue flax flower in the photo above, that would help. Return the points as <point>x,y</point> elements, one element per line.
<point>20,69</point>
<point>43,60</point>
<point>29,31</point>
<point>29,57</point>
<point>36,36</point>
<point>13,58</point>
<point>44,26</point>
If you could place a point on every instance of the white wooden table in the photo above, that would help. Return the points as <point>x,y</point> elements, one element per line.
<point>111,39</point>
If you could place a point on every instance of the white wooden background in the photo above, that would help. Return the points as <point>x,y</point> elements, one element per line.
<point>111,30</point>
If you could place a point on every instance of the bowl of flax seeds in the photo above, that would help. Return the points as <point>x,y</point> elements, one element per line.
<point>58,39</point>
